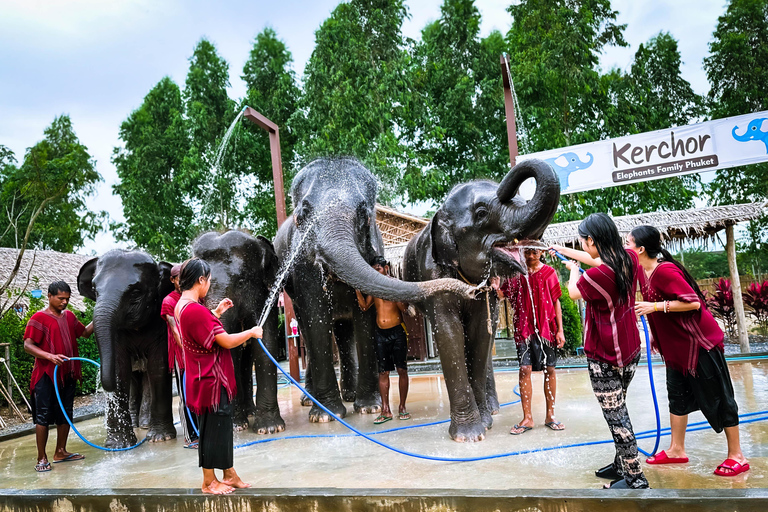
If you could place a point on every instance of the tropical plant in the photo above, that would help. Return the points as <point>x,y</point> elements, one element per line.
<point>756,298</point>
<point>722,306</point>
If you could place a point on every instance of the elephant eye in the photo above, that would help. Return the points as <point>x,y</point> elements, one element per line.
<point>481,213</point>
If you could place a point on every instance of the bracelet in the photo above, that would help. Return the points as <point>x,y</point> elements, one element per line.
<point>655,304</point>
<point>666,306</point>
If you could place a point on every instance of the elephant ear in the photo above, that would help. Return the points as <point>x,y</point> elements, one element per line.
<point>269,262</point>
<point>445,252</point>
<point>85,279</point>
<point>165,286</point>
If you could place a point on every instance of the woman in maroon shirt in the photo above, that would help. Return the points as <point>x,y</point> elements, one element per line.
<point>612,341</point>
<point>210,374</point>
<point>691,343</point>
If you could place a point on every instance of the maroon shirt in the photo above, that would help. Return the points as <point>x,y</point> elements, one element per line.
<point>174,352</point>
<point>678,335</point>
<point>208,365</point>
<point>545,289</point>
<point>57,335</point>
<point>611,327</point>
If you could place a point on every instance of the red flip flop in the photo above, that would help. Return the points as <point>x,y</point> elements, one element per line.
<point>735,467</point>
<point>663,458</point>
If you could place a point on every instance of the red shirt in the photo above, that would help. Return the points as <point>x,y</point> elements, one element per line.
<point>611,332</point>
<point>209,365</point>
<point>545,289</point>
<point>57,335</point>
<point>678,335</point>
<point>174,352</point>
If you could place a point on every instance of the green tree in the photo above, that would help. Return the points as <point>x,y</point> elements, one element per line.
<point>149,165</point>
<point>355,90</point>
<point>273,91</point>
<point>209,112</point>
<point>460,133</point>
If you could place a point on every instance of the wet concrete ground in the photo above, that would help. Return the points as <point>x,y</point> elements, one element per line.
<point>349,462</point>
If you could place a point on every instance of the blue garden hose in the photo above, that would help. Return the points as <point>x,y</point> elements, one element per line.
<point>66,416</point>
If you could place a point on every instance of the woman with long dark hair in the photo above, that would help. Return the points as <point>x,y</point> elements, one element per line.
<point>210,374</point>
<point>611,341</point>
<point>691,343</point>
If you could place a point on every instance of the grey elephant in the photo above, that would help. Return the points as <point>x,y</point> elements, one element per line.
<point>331,240</point>
<point>472,237</point>
<point>244,268</point>
<point>128,287</point>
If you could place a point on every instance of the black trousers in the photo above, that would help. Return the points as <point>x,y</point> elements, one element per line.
<point>216,448</point>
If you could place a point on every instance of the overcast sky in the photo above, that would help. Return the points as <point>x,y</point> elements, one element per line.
<point>96,59</point>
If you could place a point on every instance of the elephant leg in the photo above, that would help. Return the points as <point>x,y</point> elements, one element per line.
<point>490,387</point>
<point>342,331</point>
<point>120,432</point>
<point>146,401</point>
<point>305,401</point>
<point>135,397</point>
<point>478,350</point>
<point>161,426</point>
<point>448,331</point>
<point>243,396</point>
<point>267,419</point>
<point>368,399</point>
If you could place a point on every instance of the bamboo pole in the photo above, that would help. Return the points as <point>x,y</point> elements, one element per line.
<point>738,303</point>
<point>10,390</point>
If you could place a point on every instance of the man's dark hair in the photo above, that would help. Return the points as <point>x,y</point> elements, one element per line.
<point>380,260</point>
<point>57,287</point>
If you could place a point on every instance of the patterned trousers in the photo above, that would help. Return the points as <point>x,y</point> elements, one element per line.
<point>610,385</point>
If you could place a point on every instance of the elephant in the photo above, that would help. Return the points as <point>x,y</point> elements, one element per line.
<point>244,268</point>
<point>473,236</point>
<point>574,163</point>
<point>129,287</point>
<point>329,243</point>
<point>753,132</point>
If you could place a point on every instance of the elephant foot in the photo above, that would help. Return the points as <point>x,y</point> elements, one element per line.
<point>348,395</point>
<point>144,423</point>
<point>467,432</point>
<point>268,422</point>
<point>159,434</point>
<point>305,401</point>
<point>370,405</point>
<point>135,421</point>
<point>240,423</point>
<point>317,415</point>
<point>486,419</point>
<point>120,439</point>
<point>493,404</point>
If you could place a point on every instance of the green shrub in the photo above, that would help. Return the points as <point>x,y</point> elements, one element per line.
<point>572,327</point>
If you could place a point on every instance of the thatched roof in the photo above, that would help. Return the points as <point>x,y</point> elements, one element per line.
<point>49,266</point>
<point>697,224</point>
<point>397,227</point>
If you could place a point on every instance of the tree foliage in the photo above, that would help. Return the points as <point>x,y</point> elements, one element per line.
<point>149,165</point>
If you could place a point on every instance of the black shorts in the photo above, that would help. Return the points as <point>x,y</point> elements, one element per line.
<point>45,407</point>
<point>391,348</point>
<point>710,391</point>
<point>536,353</point>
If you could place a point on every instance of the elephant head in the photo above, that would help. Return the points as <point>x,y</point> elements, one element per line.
<point>754,131</point>
<point>476,229</point>
<point>334,204</point>
<point>128,287</point>
<point>572,163</point>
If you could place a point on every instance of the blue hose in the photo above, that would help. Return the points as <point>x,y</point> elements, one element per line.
<point>66,416</point>
<point>191,421</point>
<point>653,392</point>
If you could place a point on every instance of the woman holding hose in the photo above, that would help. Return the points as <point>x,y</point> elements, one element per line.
<point>210,374</point>
<point>691,343</point>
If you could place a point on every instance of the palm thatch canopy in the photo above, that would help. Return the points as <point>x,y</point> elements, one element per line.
<point>698,224</point>
<point>397,227</point>
<point>41,268</point>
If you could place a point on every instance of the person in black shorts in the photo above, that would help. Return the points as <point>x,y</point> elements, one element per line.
<point>391,345</point>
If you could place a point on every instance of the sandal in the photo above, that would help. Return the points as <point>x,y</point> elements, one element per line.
<point>69,458</point>
<point>518,427</point>
<point>404,416</point>
<point>735,467</point>
<point>555,425</point>
<point>42,466</point>
<point>192,445</point>
<point>382,419</point>
<point>663,458</point>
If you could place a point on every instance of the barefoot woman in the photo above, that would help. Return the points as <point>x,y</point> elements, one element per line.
<point>210,375</point>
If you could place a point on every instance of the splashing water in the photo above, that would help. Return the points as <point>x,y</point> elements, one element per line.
<point>520,120</point>
<point>223,147</point>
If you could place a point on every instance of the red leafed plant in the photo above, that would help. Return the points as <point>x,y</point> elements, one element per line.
<point>721,305</point>
<point>756,297</point>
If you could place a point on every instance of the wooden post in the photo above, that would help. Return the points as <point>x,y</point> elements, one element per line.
<point>277,179</point>
<point>741,319</point>
<point>509,109</point>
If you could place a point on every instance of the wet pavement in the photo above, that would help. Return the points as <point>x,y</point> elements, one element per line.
<point>353,462</point>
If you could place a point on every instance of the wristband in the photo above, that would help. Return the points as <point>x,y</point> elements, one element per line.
<point>655,304</point>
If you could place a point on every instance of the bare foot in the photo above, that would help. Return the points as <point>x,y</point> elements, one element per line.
<point>217,487</point>
<point>236,483</point>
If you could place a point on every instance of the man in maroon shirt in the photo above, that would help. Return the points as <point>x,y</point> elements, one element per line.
<point>51,336</point>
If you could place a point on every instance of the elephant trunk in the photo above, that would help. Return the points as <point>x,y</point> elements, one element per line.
<point>544,202</point>
<point>336,241</point>
<point>104,329</point>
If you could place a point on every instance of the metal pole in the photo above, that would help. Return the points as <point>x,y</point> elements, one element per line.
<point>509,109</point>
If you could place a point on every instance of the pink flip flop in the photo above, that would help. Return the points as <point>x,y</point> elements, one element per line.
<point>735,467</point>
<point>662,458</point>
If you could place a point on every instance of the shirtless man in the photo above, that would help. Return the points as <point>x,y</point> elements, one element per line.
<point>391,345</point>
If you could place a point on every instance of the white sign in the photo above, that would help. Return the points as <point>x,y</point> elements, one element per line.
<point>717,144</point>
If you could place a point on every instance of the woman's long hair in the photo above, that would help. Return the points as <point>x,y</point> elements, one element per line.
<point>604,234</point>
<point>191,271</point>
<point>650,238</point>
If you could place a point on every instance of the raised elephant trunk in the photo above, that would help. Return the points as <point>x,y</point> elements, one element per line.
<point>104,329</point>
<point>336,240</point>
<point>541,205</point>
